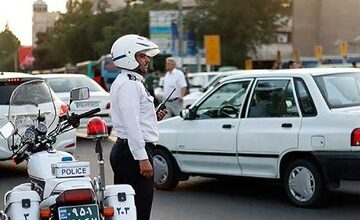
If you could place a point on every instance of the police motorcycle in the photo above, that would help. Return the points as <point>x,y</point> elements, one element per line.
<point>60,187</point>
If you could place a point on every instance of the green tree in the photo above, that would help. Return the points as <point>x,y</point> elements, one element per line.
<point>131,20</point>
<point>9,44</point>
<point>80,34</point>
<point>241,24</point>
<point>73,36</point>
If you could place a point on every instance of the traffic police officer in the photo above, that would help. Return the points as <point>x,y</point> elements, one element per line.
<point>134,119</point>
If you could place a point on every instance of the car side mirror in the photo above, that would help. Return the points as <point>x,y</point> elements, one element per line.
<point>187,114</point>
<point>78,94</point>
<point>7,130</point>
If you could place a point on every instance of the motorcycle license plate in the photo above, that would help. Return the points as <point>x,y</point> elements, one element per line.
<point>80,212</point>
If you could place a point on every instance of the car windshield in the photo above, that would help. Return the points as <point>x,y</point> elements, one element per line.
<point>214,82</point>
<point>65,84</point>
<point>340,90</point>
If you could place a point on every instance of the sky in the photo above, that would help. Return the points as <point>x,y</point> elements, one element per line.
<point>18,14</point>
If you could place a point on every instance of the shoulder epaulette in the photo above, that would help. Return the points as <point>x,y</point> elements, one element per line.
<point>132,77</point>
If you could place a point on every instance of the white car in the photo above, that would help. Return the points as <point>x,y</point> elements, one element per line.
<point>8,82</point>
<point>193,96</point>
<point>298,125</point>
<point>99,98</point>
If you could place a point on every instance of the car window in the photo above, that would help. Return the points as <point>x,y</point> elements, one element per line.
<point>225,102</point>
<point>340,90</point>
<point>304,98</point>
<point>6,89</point>
<point>273,98</point>
<point>65,84</point>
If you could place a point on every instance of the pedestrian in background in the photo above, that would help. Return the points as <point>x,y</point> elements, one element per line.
<point>99,79</point>
<point>174,79</point>
<point>294,65</point>
<point>149,85</point>
<point>186,72</point>
<point>134,119</point>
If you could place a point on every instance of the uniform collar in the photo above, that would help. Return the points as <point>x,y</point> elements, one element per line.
<point>137,76</point>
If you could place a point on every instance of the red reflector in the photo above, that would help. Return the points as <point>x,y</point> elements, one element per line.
<point>63,110</point>
<point>45,213</point>
<point>70,145</point>
<point>108,211</point>
<point>75,196</point>
<point>355,137</point>
<point>108,106</point>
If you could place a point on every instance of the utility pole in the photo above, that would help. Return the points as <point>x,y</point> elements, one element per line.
<point>180,26</point>
<point>15,60</point>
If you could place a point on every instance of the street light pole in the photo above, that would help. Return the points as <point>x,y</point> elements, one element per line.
<point>180,26</point>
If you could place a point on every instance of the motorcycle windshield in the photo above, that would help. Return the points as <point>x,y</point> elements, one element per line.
<point>29,101</point>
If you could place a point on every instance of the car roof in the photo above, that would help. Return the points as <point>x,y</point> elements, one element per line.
<point>291,72</point>
<point>203,73</point>
<point>56,75</point>
<point>7,75</point>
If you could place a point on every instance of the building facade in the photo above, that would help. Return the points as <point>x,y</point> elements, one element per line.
<point>42,19</point>
<point>326,23</point>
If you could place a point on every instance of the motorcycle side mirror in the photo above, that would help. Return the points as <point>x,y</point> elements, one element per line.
<point>78,94</point>
<point>7,129</point>
<point>81,93</point>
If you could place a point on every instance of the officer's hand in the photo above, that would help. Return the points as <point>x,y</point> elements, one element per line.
<point>161,114</point>
<point>146,169</point>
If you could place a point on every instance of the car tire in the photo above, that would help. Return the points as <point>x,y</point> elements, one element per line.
<point>165,172</point>
<point>304,184</point>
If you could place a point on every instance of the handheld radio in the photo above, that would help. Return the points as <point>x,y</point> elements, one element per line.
<point>162,105</point>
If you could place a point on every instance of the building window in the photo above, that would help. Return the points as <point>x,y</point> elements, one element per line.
<point>282,38</point>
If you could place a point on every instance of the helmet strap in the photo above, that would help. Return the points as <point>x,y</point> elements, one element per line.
<point>139,71</point>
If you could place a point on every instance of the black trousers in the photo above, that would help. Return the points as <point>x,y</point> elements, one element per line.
<point>127,171</point>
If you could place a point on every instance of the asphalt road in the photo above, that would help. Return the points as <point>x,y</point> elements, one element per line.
<point>212,199</point>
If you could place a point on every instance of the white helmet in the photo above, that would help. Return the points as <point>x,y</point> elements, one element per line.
<point>124,49</point>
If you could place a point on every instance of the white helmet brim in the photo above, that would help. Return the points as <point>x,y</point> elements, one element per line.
<point>151,52</point>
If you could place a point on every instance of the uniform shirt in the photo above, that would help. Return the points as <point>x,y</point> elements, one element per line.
<point>174,79</point>
<point>133,113</point>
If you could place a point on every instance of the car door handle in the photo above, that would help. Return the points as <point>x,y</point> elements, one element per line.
<point>227,126</point>
<point>286,125</point>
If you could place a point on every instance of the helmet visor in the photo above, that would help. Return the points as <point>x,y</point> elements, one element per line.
<point>151,52</point>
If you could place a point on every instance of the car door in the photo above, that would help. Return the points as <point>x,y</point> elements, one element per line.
<point>207,144</point>
<point>270,126</point>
